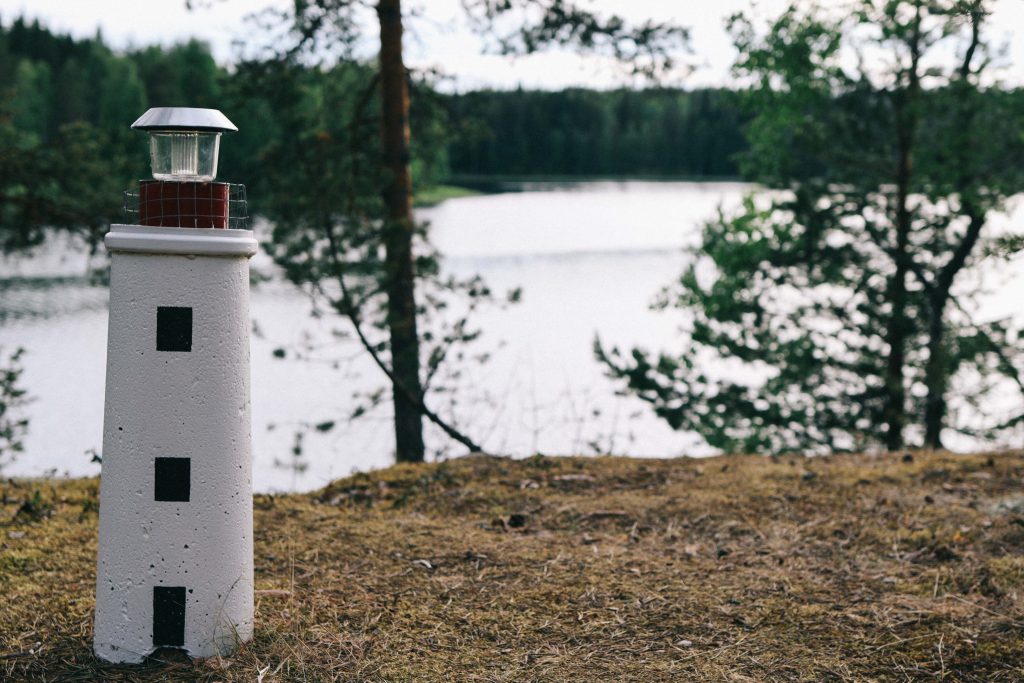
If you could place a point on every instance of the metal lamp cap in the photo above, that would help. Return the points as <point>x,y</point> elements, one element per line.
<point>184,118</point>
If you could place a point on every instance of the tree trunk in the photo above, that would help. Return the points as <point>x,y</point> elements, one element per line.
<point>936,372</point>
<point>895,410</point>
<point>896,337</point>
<point>398,234</point>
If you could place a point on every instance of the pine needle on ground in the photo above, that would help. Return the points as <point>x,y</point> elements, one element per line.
<point>846,568</point>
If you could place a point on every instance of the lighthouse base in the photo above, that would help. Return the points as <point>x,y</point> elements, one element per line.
<point>175,562</point>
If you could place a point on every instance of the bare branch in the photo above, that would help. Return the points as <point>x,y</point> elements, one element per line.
<point>346,308</point>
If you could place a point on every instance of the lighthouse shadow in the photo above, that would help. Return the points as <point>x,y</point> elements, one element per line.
<point>167,656</point>
<point>164,663</point>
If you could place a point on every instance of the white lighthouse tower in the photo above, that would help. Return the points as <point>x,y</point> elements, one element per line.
<point>175,562</point>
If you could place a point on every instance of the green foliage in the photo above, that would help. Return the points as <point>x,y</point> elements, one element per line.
<point>12,399</point>
<point>587,132</point>
<point>320,185</point>
<point>348,231</point>
<point>65,182</point>
<point>68,152</point>
<point>319,172</point>
<point>823,315</point>
<point>649,49</point>
<point>65,152</point>
<point>66,149</point>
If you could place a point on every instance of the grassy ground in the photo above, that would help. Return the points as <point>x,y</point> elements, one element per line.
<point>849,568</point>
<point>432,196</point>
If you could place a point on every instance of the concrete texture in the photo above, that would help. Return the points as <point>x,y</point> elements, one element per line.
<point>193,529</point>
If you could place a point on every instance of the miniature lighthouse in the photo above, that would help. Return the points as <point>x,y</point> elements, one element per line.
<point>175,539</point>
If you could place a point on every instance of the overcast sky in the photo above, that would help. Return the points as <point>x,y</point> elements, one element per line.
<point>439,36</point>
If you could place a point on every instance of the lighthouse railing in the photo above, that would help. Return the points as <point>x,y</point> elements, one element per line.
<point>187,205</point>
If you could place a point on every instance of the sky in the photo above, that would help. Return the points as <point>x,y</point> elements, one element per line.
<point>439,36</point>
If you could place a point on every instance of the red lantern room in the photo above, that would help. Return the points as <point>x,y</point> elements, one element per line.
<point>184,144</point>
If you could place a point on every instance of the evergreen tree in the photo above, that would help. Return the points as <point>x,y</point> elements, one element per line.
<point>832,314</point>
<point>657,131</point>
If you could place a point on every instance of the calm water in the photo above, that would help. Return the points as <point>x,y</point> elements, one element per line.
<point>589,257</point>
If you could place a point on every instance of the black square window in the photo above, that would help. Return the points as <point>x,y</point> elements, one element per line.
<point>168,616</point>
<point>172,479</point>
<point>173,328</point>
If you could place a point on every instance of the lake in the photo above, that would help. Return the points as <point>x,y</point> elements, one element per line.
<point>590,257</point>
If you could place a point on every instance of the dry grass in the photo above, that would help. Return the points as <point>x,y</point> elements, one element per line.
<point>562,569</point>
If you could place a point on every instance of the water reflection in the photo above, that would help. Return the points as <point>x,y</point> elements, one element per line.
<point>43,298</point>
<point>590,258</point>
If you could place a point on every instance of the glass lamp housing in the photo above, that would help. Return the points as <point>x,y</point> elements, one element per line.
<point>184,155</point>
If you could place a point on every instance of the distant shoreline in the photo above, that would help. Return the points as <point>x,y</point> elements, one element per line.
<point>458,186</point>
<point>495,184</point>
<point>460,179</point>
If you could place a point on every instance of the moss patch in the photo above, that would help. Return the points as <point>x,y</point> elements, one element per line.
<point>846,568</point>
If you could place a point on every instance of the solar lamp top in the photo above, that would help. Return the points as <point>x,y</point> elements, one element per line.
<point>184,119</point>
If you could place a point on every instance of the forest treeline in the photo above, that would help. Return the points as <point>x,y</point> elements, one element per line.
<point>65,107</point>
<point>658,131</point>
